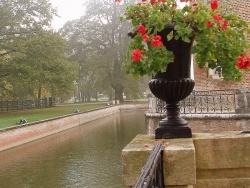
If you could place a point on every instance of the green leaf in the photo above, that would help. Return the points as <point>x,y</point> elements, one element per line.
<point>170,36</point>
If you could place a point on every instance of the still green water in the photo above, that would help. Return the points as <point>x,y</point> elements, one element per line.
<point>88,156</point>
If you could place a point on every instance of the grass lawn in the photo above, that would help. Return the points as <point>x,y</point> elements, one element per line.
<point>12,118</point>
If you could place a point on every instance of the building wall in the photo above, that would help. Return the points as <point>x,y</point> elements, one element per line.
<point>205,82</point>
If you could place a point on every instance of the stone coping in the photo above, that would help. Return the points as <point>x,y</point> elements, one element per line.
<point>202,116</point>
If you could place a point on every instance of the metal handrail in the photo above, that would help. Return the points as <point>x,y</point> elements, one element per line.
<point>152,173</point>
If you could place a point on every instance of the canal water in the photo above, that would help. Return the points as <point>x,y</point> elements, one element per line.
<point>88,156</point>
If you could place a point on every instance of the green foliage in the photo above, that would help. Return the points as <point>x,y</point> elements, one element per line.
<point>41,64</point>
<point>220,36</point>
<point>98,43</point>
<point>21,22</point>
<point>19,18</point>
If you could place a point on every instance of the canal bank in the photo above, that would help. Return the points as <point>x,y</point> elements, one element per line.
<point>21,134</point>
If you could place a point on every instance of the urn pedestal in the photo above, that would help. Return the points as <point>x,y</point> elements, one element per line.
<point>172,86</point>
<point>172,91</point>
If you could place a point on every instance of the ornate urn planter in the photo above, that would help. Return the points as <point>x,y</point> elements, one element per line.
<point>172,86</point>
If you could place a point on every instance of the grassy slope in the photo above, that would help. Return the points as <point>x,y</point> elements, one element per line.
<point>11,118</point>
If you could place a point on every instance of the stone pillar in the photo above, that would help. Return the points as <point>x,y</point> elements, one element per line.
<point>178,161</point>
<point>152,104</point>
<point>242,101</point>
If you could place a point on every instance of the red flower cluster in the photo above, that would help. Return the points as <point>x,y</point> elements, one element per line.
<point>137,55</point>
<point>141,29</point>
<point>153,2</point>
<point>214,4</point>
<point>210,24</point>
<point>145,38</point>
<point>157,1</point>
<point>223,23</point>
<point>195,4</point>
<point>243,62</point>
<point>217,18</point>
<point>156,41</point>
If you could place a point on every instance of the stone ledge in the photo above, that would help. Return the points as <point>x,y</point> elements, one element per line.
<point>222,150</point>
<point>178,160</point>
<point>208,160</point>
<point>223,183</point>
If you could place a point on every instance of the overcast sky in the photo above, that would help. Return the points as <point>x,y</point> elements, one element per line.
<point>67,10</point>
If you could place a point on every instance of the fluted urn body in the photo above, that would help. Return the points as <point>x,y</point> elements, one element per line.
<point>172,86</point>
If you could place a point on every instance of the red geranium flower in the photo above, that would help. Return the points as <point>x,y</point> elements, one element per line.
<point>156,41</point>
<point>209,23</point>
<point>137,55</point>
<point>195,4</point>
<point>225,25</point>
<point>118,1</point>
<point>214,4</point>
<point>217,18</point>
<point>141,29</point>
<point>243,62</point>
<point>153,2</point>
<point>145,38</point>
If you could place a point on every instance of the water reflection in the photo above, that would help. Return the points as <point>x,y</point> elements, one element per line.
<point>87,156</point>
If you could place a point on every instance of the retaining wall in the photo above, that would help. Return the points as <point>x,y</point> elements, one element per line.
<point>17,135</point>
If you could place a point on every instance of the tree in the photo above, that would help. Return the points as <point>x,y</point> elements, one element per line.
<point>40,64</point>
<point>18,20</point>
<point>100,35</point>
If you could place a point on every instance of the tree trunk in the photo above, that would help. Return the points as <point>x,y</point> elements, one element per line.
<point>119,93</point>
<point>39,96</point>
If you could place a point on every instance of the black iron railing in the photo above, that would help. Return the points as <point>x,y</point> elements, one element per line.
<point>205,102</point>
<point>152,173</point>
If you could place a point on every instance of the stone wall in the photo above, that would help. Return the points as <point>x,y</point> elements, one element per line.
<point>206,123</point>
<point>205,161</point>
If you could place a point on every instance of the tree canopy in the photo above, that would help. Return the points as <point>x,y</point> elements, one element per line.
<point>98,42</point>
<point>32,57</point>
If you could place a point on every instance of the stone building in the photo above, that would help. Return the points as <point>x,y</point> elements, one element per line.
<point>205,79</point>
